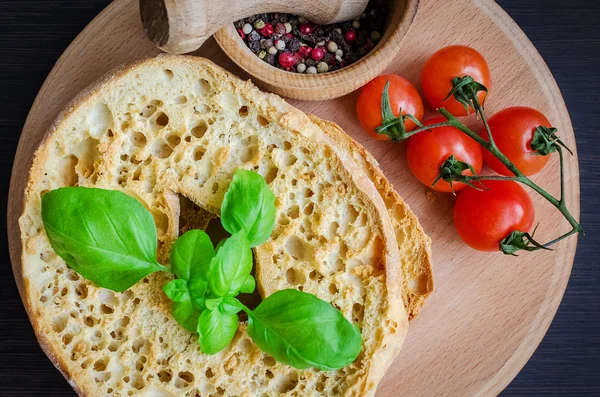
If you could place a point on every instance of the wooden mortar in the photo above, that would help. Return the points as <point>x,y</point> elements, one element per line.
<point>181,26</point>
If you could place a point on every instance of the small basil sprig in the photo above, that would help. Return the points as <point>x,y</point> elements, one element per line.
<point>106,236</point>
<point>110,239</point>
<point>249,205</point>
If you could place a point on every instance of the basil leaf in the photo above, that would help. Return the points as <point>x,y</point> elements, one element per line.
<point>216,330</point>
<point>230,266</point>
<point>198,287</point>
<point>230,305</point>
<point>249,205</point>
<point>106,236</point>
<point>249,285</point>
<point>177,290</point>
<point>212,304</point>
<point>191,255</point>
<point>186,314</point>
<point>303,331</point>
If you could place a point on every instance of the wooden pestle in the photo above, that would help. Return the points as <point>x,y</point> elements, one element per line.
<point>181,26</point>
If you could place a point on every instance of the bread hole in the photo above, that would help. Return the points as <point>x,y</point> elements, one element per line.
<point>220,392</point>
<point>67,168</point>
<point>82,290</point>
<point>90,321</point>
<point>124,322</point>
<point>215,187</point>
<point>294,211</point>
<point>203,87</point>
<point>358,311</point>
<point>47,255</point>
<point>362,220</point>
<point>315,275</point>
<point>243,111</point>
<point>287,145</point>
<point>320,387</point>
<point>86,363</point>
<point>308,210</point>
<point>333,289</point>
<point>294,182</point>
<point>174,140</point>
<point>88,154</point>
<point>167,74</point>
<point>136,301</point>
<point>67,338</point>
<point>268,361</point>
<point>165,375</point>
<point>181,100</point>
<point>109,390</point>
<point>262,121</point>
<point>162,224</point>
<point>249,153</point>
<point>304,150</point>
<point>199,153</point>
<point>333,229</point>
<point>162,119</point>
<point>245,345</point>
<point>139,364</point>
<point>271,173</point>
<point>209,373</point>
<point>140,345</point>
<point>419,285</point>
<point>148,111</point>
<point>294,277</point>
<point>113,346</point>
<point>137,174</point>
<point>283,220</point>
<point>299,249</point>
<point>110,133</point>
<point>138,382</point>
<point>287,383</point>
<point>338,266</point>
<point>199,130</point>
<point>100,365</point>
<point>290,160</point>
<point>352,213</point>
<point>162,150</point>
<point>269,374</point>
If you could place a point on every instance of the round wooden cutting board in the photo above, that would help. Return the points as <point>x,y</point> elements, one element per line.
<point>489,312</point>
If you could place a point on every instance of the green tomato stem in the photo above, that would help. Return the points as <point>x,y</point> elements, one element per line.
<point>519,176</point>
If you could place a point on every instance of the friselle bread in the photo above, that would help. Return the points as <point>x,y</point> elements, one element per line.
<point>414,245</point>
<point>170,131</point>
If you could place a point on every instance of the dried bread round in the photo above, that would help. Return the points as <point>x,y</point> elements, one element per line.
<point>170,131</point>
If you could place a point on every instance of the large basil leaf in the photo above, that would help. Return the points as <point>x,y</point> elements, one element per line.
<point>216,330</point>
<point>104,235</point>
<point>231,266</point>
<point>249,205</point>
<point>303,331</point>
<point>191,255</point>
<point>186,314</point>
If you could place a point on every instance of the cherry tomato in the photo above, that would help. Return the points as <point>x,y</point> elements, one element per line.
<point>429,149</point>
<point>484,218</point>
<point>512,130</point>
<point>403,95</point>
<point>443,66</point>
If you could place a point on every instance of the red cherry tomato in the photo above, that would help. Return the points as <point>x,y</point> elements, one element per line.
<point>512,130</point>
<point>429,149</point>
<point>443,66</point>
<point>403,95</point>
<point>484,218</point>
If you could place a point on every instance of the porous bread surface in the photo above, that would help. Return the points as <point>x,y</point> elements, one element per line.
<point>170,131</point>
<point>413,244</point>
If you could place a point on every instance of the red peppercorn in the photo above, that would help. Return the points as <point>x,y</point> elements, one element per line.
<point>350,36</point>
<point>317,54</point>
<point>280,28</point>
<point>305,28</point>
<point>267,30</point>
<point>289,35</point>
<point>286,60</point>
<point>304,51</point>
<point>241,33</point>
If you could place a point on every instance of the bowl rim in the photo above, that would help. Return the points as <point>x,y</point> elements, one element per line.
<point>376,60</point>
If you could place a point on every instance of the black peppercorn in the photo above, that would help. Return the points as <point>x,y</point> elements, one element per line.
<point>254,46</point>
<point>270,59</point>
<point>254,36</point>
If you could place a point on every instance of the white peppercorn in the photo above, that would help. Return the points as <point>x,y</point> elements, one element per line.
<point>280,45</point>
<point>332,46</point>
<point>247,28</point>
<point>301,68</point>
<point>322,67</point>
<point>272,50</point>
<point>311,70</point>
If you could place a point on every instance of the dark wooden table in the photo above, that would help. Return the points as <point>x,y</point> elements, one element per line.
<point>34,33</point>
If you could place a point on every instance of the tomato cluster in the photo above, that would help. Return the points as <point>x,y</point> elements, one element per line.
<point>485,212</point>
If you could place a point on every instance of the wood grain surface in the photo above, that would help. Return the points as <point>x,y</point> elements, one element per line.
<point>19,381</point>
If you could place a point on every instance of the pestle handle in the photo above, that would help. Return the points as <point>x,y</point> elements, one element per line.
<point>181,26</point>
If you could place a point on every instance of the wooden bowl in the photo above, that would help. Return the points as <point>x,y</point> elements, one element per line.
<point>329,85</point>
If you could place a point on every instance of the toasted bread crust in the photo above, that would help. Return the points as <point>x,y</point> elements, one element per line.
<point>275,110</point>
